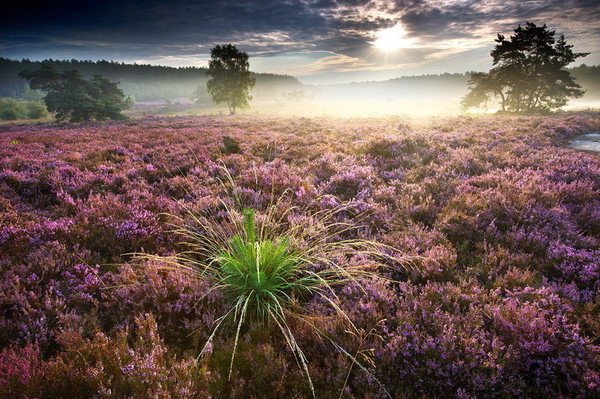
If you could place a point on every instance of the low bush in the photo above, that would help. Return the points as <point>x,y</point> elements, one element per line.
<point>12,110</point>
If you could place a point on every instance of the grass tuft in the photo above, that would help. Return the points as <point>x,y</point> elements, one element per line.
<point>268,264</point>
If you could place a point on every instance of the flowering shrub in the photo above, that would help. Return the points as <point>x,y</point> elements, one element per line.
<point>500,299</point>
<point>102,366</point>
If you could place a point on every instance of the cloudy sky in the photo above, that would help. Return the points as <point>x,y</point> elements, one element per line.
<point>317,41</point>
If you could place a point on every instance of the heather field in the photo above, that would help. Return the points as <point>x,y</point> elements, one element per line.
<point>481,278</point>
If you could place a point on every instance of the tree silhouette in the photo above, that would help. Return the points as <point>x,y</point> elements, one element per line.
<point>528,74</point>
<point>230,81</point>
<point>71,96</point>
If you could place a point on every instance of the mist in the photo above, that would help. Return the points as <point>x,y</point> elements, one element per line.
<point>164,91</point>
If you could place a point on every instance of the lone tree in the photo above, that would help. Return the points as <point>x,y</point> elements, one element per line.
<point>230,77</point>
<point>528,74</point>
<point>71,96</point>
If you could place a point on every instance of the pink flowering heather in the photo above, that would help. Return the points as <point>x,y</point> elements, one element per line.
<point>502,223</point>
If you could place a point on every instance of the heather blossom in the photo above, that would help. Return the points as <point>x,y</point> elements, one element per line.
<point>500,221</point>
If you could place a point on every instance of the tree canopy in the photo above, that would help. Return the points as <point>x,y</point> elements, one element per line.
<point>230,81</point>
<point>529,72</point>
<point>71,96</point>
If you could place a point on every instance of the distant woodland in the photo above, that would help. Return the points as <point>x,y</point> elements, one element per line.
<point>143,82</point>
<point>155,83</point>
<point>444,86</point>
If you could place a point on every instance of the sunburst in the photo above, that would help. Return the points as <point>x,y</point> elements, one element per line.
<point>391,39</point>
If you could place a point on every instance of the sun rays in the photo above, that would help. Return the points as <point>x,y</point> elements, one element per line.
<point>392,39</point>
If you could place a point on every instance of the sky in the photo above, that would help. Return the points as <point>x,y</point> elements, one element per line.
<point>317,41</point>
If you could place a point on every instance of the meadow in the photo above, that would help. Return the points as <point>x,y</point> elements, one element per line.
<point>487,284</point>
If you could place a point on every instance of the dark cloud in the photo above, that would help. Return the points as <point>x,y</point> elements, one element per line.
<point>432,21</point>
<point>134,28</point>
<point>160,21</point>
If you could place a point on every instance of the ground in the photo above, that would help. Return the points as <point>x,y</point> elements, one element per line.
<point>501,220</point>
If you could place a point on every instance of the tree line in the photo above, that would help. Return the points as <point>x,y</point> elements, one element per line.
<point>142,82</point>
<point>135,79</point>
<point>160,82</point>
<point>529,75</point>
<point>69,95</point>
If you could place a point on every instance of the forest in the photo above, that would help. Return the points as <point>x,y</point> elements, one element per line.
<point>143,82</point>
<point>152,82</point>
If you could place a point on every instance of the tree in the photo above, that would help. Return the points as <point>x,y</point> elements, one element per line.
<point>230,81</point>
<point>71,96</point>
<point>528,74</point>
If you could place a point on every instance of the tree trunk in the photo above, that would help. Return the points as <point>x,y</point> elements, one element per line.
<point>503,100</point>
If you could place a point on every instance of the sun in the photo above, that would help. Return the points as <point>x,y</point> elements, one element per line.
<point>391,39</point>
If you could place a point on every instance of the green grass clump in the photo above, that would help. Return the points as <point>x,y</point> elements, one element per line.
<point>267,265</point>
<point>261,277</point>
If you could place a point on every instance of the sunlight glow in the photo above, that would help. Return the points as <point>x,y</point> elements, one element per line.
<point>391,39</point>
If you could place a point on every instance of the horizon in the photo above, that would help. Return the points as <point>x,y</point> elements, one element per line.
<point>406,76</point>
<point>318,42</point>
<point>251,71</point>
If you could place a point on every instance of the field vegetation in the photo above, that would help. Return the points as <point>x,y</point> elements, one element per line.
<point>356,258</point>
